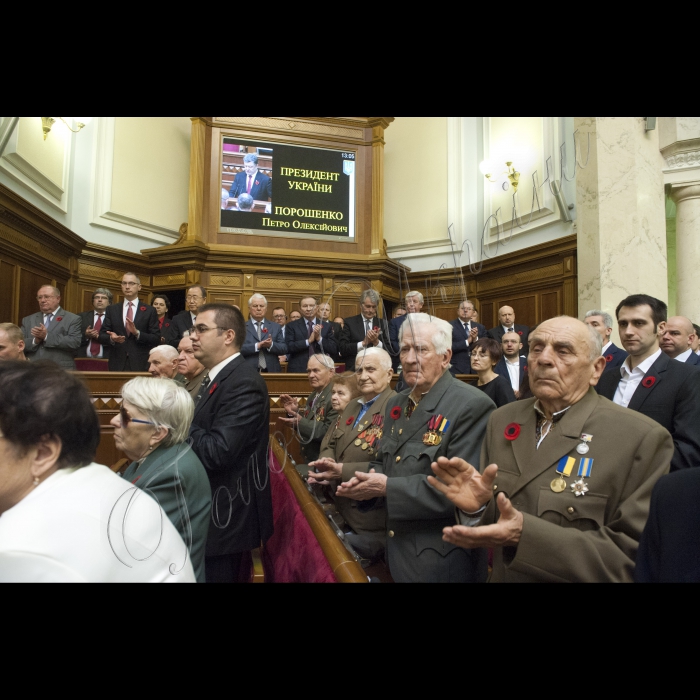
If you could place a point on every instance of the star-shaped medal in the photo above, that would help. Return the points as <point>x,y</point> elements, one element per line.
<point>580,488</point>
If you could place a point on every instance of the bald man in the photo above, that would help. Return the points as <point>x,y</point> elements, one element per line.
<point>11,342</point>
<point>678,339</point>
<point>506,318</point>
<point>566,477</point>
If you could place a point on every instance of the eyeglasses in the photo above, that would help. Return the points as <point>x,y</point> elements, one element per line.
<point>201,330</point>
<point>125,418</point>
<point>193,298</point>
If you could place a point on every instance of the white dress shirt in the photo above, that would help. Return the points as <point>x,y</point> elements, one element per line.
<point>214,371</point>
<point>514,372</point>
<point>631,379</point>
<point>360,346</point>
<point>683,357</point>
<point>74,528</point>
<point>605,348</point>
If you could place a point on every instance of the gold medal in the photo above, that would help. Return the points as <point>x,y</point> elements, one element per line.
<point>358,443</point>
<point>558,485</point>
<point>365,447</point>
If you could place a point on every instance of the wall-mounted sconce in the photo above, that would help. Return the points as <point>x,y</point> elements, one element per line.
<point>487,170</point>
<point>48,122</point>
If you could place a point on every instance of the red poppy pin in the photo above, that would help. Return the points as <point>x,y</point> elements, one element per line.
<point>525,368</point>
<point>60,318</point>
<point>512,432</point>
<point>649,382</point>
<point>264,330</point>
<point>142,309</point>
<point>396,412</point>
<point>213,389</point>
<point>376,328</point>
<point>609,359</point>
<point>520,332</point>
<point>167,325</point>
<point>257,182</point>
<point>350,421</point>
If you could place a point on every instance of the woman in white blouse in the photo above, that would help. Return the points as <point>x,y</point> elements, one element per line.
<point>63,518</point>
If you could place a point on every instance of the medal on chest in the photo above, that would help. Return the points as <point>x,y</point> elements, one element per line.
<point>565,469</point>
<point>437,427</point>
<point>371,436</point>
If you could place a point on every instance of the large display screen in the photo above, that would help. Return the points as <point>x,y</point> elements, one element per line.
<point>287,191</point>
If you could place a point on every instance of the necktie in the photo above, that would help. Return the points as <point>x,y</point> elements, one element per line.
<point>311,345</point>
<point>47,320</point>
<point>94,345</point>
<point>262,362</point>
<point>205,385</point>
<point>129,317</point>
<point>511,330</point>
<point>250,183</point>
<point>368,327</point>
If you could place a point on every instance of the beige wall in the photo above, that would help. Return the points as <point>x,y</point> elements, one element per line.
<point>415,180</point>
<point>150,177</point>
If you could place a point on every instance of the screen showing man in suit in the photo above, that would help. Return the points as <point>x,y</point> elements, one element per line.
<point>314,191</point>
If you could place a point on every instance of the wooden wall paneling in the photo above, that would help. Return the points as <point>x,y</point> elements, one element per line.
<point>7,291</point>
<point>488,315</point>
<point>525,308</point>
<point>550,304</point>
<point>228,298</point>
<point>347,309</point>
<point>29,284</point>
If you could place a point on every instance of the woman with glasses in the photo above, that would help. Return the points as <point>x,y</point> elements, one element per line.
<point>64,518</point>
<point>485,355</point>
<point>151,429</point>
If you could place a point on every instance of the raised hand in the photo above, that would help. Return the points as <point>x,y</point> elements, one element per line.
<point>462,483</point>
<point>92,333</point>
<point>328,469</point>
<point>289,404</point>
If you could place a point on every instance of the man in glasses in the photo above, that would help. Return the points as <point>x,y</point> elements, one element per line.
<point>229,434</point>
<point>53,333</point>
<point>130,329</point>
<point>196,298</point>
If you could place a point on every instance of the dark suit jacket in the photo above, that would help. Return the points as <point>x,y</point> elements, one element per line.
<point>497,333</point>
<point>271,356</point>
<point>62,340</point>
<point>175,477</point>
<point>297,334</point>
<point>615,358</point>
<point>261,190</point>
<point>354,333</point>
<point>416,512</point>
<point>460,350</point>
<point>87,320</point>
<point>134,350</point>
<point>230,434</point>
<point>669,551</point>
<point>179,325</point>
<point>693,360</point>
<point>673,400</point>
<point>502,369</point>
<point>394,327</point>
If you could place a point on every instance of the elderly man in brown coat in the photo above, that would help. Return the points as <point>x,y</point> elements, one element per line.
<point>566,477</point>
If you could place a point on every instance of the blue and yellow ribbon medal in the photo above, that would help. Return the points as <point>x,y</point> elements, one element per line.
<point>584,448</point>
<point>580,487</point>
<point>564,469</point>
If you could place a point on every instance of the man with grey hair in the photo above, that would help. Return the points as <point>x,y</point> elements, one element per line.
<point>264,340</point>
<point>566,477</point>
<point>91,322</point>
<point>437,417</point>
<point>245,203</point>
<point>414,304</point>
<point>602,323</point>
<point>252,181</point>
<point>53,333</point>
<point>163,363</point>
<point>314,420</point>
<point>364,331</point>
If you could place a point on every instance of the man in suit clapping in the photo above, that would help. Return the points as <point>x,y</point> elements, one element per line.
<point>264,341</point>
<point>53,333</point>
<point>364,331</point>
<point>466,332</point>
<point>131,329</point>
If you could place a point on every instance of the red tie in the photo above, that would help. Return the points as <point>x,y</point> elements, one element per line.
<point>250,183</point>
<point>94,345</point>
<point>129,317</point>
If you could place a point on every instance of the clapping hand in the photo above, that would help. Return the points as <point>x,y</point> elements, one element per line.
<point>118,339</point>
<point>289,404</point>
<point>92,333</point>
<point>265,344</point>
<point>332,471</point>
<point>372,338</point>
<point>364,487</point>
<point>39,334</point>
<point>473,335</point>
<point>130,327</point>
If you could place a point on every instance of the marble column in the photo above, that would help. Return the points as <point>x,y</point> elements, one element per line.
<point>687,199</point>
<point>621,212</point>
